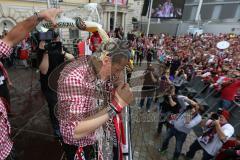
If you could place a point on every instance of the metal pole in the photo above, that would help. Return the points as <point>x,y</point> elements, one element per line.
<point>197,18</point>
<point>140,18</point>
<point>125,25</point>
<point>57,4</point>
<point>89,34</point>
<point>149,18</point>
<point>179,24</point>
<point>115,15</point>
<point>48,4</point>
<point>127,121</point>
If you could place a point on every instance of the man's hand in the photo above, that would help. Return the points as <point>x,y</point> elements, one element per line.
<point>193,103</point>
<point>119,80</point>
<point>216,122</point>
<point>10,84</point>
<point>123,95</point>
<point>42,45</point>
<point>19,32</point>
<point>50,15</point>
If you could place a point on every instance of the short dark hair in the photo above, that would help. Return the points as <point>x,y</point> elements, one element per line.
<point>117,50</point>
<point>118,57</point>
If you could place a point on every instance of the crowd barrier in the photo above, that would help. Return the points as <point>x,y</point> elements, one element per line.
<point>209,99</point>
<point>127,126</point>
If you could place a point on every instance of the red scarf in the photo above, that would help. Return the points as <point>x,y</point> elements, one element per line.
<point>117,120</point>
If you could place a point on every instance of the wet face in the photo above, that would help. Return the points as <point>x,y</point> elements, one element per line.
<point>117,68</point>
<point>105,70</point>
<point>112,67</point>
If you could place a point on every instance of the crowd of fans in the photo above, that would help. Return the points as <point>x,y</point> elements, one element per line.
<point>184,58</point>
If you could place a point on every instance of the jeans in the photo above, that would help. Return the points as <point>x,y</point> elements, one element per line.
<point>11,155</point>
<point>149,102</point>
<point>129,74</point>
<point>90,151</point>
<point>51,98</point>
<point>194,148</point>
<point>70,151</point>
<point>139,60</point>
<point>180,139</point>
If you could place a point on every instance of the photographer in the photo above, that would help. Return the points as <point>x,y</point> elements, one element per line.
<point>5,85</point>
<point>217,132</point>
<point>51,55</point>
<point>149,86</point>
<point>179,78</point>
<point>183,123</point>
<point>13,37</point>
<point>169,106</point>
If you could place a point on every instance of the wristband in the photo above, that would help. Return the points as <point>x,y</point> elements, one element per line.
<point>80,24</point>
<point>39,19</point>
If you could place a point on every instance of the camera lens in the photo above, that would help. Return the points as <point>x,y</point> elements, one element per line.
<point>215,116</point>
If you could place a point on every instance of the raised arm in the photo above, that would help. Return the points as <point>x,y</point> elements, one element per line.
<point>20,31</point>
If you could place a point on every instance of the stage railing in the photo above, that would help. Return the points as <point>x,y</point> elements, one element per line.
<point>127,126</point>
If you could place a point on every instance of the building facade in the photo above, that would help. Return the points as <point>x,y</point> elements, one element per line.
<point>14,11</point>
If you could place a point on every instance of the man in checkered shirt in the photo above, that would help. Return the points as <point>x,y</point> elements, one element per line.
<point>77,99</point>
<point>17,34</point>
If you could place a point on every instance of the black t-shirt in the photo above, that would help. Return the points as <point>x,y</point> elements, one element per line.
<point>2,78</point>
<point>55,59</point>
<point>166,107</point>
<point>4,92</point>
<point>174,66</point>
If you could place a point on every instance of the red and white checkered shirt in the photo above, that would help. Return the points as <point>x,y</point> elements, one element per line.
<point>5,49</point>
<point>5,141</point>
<point>76,99</point>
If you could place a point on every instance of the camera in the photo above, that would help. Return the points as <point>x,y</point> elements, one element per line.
<point>46,36</point>
<point>215,116</point>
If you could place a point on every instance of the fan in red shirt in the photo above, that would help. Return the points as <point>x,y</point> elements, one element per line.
<point>230,144</point>
<point>95,41</point>
<point>228,93</point>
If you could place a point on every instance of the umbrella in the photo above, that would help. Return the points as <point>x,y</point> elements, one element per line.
<point>223,45</point>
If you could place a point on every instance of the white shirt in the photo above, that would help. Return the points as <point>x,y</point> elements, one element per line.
<point>2,78</point>
<point>181,125</point>
<point>215,145</point>
<point>179,80</point>
<point>206,74</point>
<point>87,49</point>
